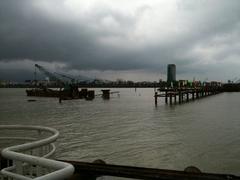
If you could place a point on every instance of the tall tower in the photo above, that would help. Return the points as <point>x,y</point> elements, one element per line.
<point>171,73</point>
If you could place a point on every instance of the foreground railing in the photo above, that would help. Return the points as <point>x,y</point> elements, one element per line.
<point>29,160</point>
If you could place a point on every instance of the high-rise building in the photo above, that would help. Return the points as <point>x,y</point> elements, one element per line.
<point>171,73</point>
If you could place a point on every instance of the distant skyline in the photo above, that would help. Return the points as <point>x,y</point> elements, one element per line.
<point>131,40</point>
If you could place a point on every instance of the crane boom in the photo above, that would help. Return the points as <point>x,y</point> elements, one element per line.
<point>49,74</point>
<point>65,76</point>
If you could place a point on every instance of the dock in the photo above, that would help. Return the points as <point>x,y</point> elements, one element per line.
<point>185,94</point>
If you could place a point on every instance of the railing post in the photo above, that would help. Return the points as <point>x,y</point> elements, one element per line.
<point>19,167</point>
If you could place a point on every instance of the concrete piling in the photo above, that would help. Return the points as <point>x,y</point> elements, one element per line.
<point>180,97</point>
<point>170,98</point>
<point>90,95</point>
<point>166,97</point>
<point>106,93</point>
<point>155,97</point>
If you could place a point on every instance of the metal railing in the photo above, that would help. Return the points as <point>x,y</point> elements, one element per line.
<point>28,160</point>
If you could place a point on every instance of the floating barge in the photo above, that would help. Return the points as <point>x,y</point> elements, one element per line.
<point>69,94</point>
<point>39,92</point>
<point>62,94</point>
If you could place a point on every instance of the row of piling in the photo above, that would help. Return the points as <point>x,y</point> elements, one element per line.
<point>180,95</point>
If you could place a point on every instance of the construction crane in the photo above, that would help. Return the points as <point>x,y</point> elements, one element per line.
<point>66,76</point>
<point>237,81</point>
<point>50,75</point>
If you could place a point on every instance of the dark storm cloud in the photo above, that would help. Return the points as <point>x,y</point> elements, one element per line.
<point>26,33</point>
<point>17,75</point>
<point>195,35</point>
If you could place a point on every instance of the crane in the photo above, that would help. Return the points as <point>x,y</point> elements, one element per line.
<point>237,81</point>
<point>49,74</point>
<point>66,76</point>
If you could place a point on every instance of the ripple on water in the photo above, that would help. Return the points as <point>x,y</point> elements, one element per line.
<point>130,130</point>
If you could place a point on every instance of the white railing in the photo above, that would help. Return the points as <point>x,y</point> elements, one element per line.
<point>29,160</point>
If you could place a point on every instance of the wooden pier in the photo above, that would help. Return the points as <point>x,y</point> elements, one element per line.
<point>184,94</point>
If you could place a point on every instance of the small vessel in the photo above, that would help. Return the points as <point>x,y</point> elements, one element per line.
<point>43,92</point>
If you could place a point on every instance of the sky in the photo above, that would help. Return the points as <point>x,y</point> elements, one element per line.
<point>121,39</point>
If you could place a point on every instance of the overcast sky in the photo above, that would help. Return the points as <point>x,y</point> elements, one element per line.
<point>128,39</point>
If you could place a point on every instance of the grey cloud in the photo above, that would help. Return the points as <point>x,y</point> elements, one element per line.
<point>26,32</point>
<point>16,75</point>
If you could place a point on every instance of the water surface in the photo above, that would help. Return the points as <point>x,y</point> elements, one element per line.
<point>129,129</point>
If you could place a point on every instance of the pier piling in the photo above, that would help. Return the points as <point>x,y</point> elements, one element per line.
<point>106,93</point>
<point>185,94</point>
<point>170,98</point>
<point>156,97</point>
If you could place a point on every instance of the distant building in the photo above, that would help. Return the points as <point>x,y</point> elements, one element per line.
<point>171,73</point>
<point>182,83</point>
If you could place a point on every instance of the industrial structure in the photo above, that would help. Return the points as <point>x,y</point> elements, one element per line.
<point>171,73</point>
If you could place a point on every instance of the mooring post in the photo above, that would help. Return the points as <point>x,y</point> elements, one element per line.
<point>170,98</point>
<point>197,95</point>
<point>193,95</point>
<point>187,96</point>
<point>90,95</point>
<point>180,96</point>
<point>166,97</point>
<point>156,96</point>
<point>60,96</point>
<point>105,93</point>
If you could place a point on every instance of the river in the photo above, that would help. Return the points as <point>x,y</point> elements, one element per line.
<point>129,129</point>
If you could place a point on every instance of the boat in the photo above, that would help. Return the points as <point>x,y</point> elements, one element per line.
<point>43,92</point>
<point>66,93</point>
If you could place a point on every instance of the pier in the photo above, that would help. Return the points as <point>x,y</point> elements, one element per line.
<point>185,94</point>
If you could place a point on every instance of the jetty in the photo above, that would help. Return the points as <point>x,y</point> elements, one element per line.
<point>185,94</point>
